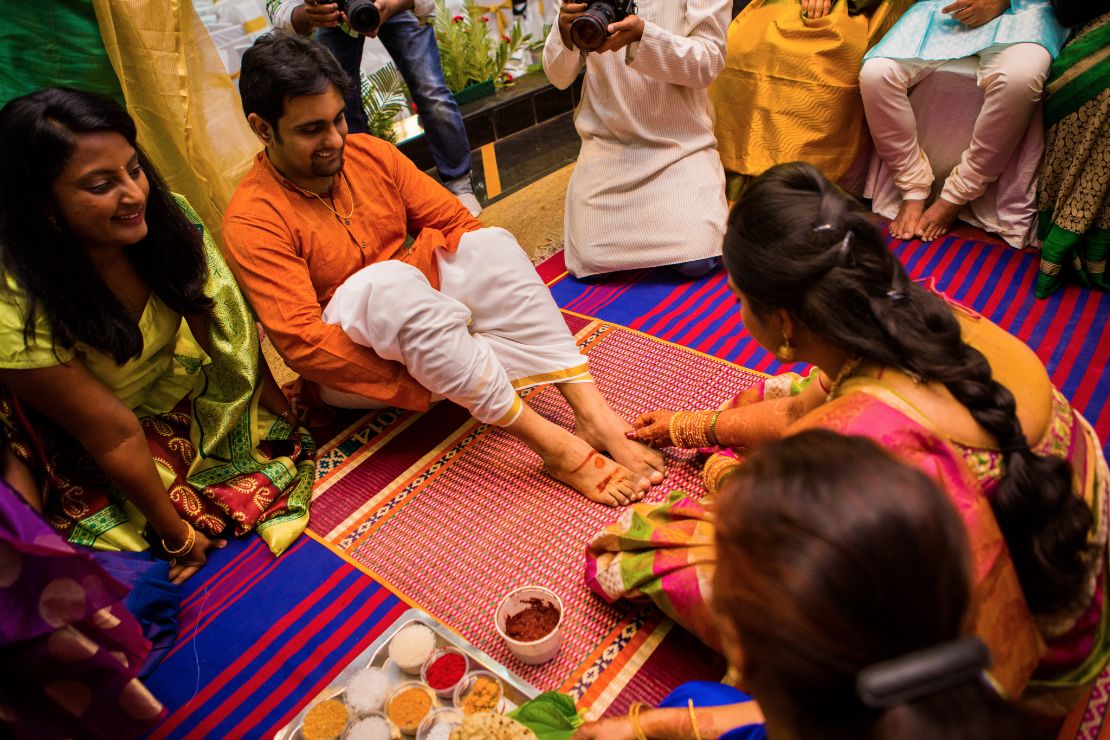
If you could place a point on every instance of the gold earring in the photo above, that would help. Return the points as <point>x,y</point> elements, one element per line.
<point>786,350</point>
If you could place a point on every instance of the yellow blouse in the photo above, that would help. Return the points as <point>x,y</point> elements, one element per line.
<point>166,371</point>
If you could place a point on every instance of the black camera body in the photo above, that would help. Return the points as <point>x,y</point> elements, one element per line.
<point>362,15</point>
<point>590,30</point>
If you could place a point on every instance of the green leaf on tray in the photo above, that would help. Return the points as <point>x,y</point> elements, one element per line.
<point>551,715</point>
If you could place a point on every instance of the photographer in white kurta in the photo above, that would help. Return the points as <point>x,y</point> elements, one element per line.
<point>648,189</point>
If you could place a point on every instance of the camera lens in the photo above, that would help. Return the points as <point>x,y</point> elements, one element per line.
<point>590,30</point>
<point>363,15</point>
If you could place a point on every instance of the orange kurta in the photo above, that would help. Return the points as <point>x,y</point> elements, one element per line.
<point>290,252</point>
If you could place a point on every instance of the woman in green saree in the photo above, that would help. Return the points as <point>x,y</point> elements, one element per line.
<point>1074,221</point>
<point>134,394</point>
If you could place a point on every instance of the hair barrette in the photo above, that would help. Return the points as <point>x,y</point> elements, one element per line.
<point>922,673</point>
<point>823,227</point>
<point>844,251</point>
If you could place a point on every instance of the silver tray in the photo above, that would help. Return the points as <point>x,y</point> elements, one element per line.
<point>517,691</point>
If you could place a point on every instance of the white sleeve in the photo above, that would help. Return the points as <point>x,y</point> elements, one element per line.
<point>693,60</point>
<point>281,13</point>
<point>560,64</point>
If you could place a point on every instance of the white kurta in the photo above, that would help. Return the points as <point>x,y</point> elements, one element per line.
<point>648,188</point>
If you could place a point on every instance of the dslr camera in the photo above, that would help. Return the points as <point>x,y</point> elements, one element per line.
<point>591,29</point>
<point>362,15</point>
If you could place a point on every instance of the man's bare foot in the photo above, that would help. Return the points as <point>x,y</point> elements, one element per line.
<point>592,474</point>
<point>937,220</point>
<point>904,225</point>
<point>610,437</point>
<point>599,425</point>
<point>573,461</point>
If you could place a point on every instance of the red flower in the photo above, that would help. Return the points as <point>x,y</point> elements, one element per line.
<point>484,19</point>
<point>457,19</point>
<point>506,39</point>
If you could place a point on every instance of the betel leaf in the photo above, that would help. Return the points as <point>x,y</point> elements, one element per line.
<point>551,715</point>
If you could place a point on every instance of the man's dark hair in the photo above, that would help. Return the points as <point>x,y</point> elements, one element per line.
<point>281,65</point>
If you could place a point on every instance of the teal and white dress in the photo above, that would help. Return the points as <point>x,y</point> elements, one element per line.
<point>924,32</point>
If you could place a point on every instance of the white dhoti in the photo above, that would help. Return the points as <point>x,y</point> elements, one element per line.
<point>491,329</point>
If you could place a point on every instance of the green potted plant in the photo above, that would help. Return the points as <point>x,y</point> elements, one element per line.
<point>384,95</point>
<point>473,62</point>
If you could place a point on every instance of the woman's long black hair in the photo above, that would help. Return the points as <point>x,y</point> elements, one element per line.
<point>38,133</point>
<point>845,285</point>
<point>833,557</point>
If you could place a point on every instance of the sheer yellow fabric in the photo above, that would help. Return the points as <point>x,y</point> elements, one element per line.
<point>187,110</point>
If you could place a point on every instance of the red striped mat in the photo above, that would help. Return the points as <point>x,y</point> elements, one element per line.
<point>453,515</point>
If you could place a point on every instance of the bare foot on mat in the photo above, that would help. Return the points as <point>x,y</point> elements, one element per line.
<point>904,225</point>
<point>593,475</point>
<point>597,423</point>
<point>610,437</point>
<point>937,219</point>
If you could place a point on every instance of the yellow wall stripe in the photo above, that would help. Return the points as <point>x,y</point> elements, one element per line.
<point>489,168</point>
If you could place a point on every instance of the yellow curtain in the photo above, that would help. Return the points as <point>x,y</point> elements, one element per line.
<point>187,110</point>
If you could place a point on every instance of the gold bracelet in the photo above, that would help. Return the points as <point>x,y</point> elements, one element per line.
<point>716,469</point>
<point>701,428</point>
<point>190,540</point>
<point>693,719</point>
<point>690,429</point>
<point>634,719</point>
<point>713,429</point>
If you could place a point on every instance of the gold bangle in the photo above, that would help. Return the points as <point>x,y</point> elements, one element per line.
<point>671,431</point>
<point>634,719</point>
<point>190,540</point>
<point>693,719</point>
<point>713,429</point>
<point>716,469</point>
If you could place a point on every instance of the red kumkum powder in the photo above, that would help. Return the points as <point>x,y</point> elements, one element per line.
<point>446,671</point>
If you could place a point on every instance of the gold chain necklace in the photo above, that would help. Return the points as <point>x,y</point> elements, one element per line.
<point>345,219</point>
<point>846,370</point>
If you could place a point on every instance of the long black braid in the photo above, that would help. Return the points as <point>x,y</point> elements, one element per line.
<point>796,242</point>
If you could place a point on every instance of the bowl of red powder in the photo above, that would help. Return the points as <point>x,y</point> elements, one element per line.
<point>444,669</point>
<point>529,620</point>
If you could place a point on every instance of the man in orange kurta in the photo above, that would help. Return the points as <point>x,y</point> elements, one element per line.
<point>318,236</point>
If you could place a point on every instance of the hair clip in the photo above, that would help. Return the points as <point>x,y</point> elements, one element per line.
<point>922,673</point>
<point>895,295</point>
<point>823,227</point>
<point>844,252</point>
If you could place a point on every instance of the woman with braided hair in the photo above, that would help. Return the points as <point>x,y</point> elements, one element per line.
<point>932,381</point>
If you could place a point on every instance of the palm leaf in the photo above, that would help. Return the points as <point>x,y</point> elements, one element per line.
<point>384,95</point>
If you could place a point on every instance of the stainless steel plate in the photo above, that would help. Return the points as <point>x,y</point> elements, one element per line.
<point>517,691</point>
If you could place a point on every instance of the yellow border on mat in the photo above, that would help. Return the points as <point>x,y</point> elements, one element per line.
<point>565,273</point>
<point>683,347</point>
<point>627,671</point>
